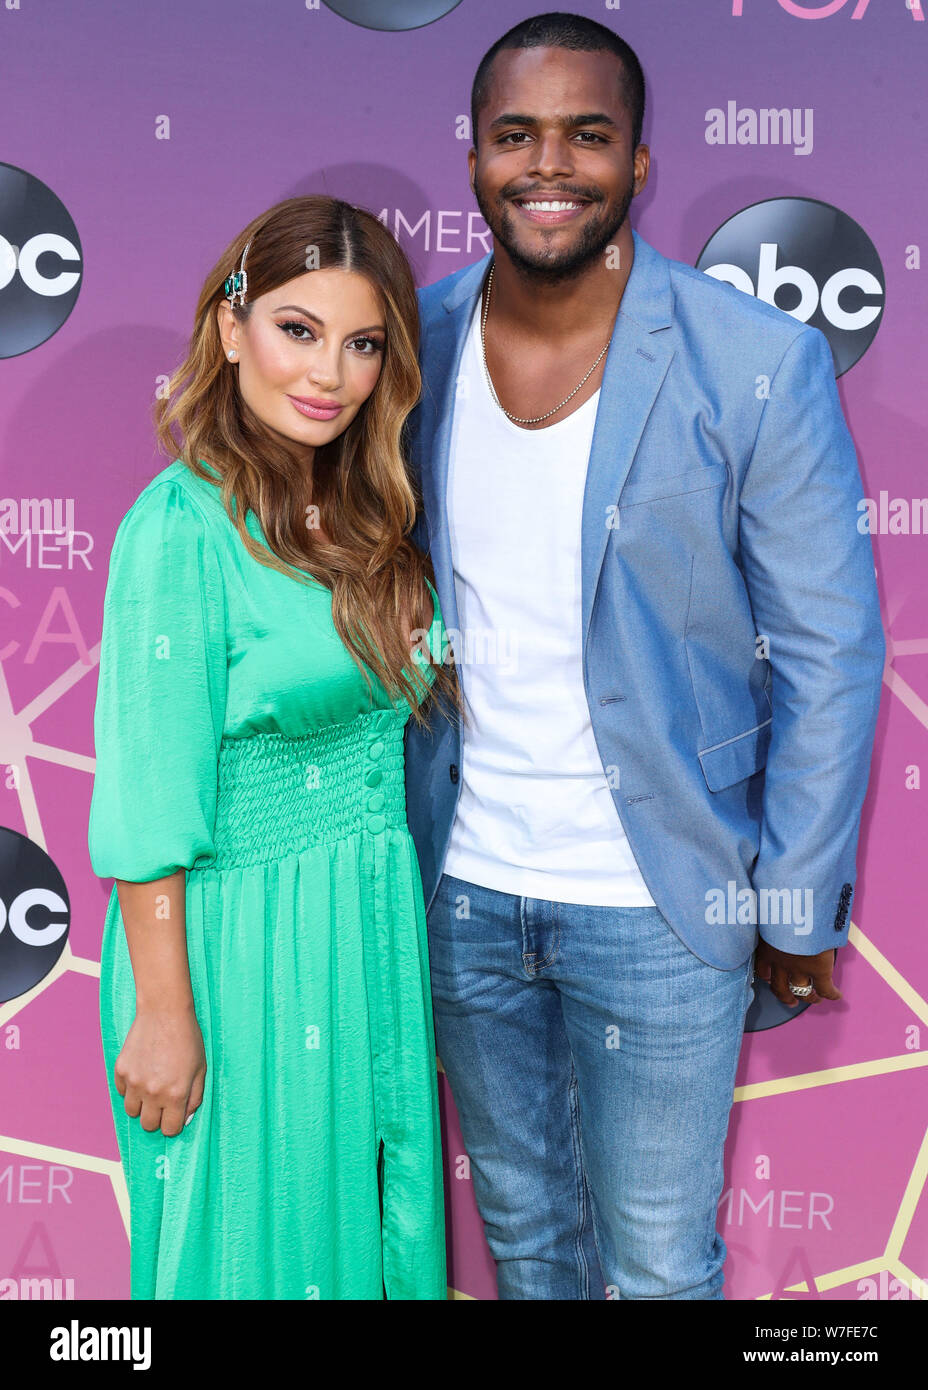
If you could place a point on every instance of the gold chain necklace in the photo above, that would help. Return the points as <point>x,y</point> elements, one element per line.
<point>516,419</point>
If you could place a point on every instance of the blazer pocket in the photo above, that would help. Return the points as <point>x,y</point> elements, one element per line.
<point>736,758</point>
<point>693,480</point>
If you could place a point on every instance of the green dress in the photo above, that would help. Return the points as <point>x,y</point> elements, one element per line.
<point>236,738</point>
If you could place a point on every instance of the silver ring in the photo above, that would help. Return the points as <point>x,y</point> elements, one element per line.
<point>803,991</point>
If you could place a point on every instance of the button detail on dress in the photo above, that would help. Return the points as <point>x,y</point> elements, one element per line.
<point>376,749</point>
<point>375,802</point>
<point>376,823</point>
<point>374,777</point>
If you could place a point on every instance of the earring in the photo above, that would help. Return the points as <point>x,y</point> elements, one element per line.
<point>232,355</point>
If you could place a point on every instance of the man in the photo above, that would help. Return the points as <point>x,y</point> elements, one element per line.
<point>640,498</point>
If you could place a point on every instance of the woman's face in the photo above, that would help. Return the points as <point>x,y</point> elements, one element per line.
<point>309,354</point>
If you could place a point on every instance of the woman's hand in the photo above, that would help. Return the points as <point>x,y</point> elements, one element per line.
<point>161,1070</point>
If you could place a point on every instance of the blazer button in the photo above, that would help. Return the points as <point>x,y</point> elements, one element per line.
<point>453,772</point>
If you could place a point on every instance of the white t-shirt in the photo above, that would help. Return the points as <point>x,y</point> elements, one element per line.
<point>535,815</point>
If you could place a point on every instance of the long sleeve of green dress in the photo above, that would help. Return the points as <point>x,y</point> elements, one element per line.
<point>161,695</point>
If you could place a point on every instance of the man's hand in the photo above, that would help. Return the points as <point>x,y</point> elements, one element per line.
<point>780,969</point>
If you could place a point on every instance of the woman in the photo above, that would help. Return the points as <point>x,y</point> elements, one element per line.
<point>265,1002</point>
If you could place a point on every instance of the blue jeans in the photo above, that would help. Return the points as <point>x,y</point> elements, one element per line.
<point>592,1060</point>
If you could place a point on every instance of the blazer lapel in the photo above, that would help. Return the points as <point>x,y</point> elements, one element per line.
<point>636,365</point>
<point>447,337</point>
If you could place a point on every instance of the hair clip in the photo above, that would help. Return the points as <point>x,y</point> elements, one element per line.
<point>236,285</point>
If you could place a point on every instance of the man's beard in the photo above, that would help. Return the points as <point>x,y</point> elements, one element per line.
<point>553,269</point>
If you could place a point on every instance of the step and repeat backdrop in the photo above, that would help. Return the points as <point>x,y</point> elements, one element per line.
<point>788,155</point>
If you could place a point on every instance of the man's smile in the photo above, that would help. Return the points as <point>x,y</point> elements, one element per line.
<point>550,211</point>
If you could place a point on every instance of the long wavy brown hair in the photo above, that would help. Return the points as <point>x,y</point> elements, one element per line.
<point>366,494</point>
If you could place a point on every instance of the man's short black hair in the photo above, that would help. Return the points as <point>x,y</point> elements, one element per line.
<point>573,31</point>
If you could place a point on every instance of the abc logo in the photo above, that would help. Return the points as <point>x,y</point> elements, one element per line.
<point>40,262</point>
<point>809,259</point>
<point>34,914</point>
<point>404,14</point>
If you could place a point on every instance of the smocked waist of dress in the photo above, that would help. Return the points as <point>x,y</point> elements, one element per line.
<point>278,795</point>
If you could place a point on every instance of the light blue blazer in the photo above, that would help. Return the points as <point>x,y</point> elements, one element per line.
<point>731,636</point>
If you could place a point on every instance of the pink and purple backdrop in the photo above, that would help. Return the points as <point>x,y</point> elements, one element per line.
<point>163,129</point>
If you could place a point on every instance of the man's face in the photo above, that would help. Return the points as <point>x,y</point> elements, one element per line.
<point>533,148</point>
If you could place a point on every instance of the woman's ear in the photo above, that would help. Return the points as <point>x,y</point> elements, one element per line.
<point>228,327</point>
